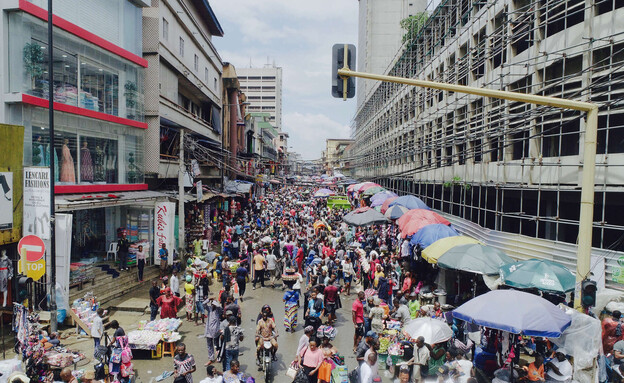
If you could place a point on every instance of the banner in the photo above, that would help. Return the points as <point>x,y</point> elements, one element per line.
<point>63,235</point>
<point>200,191</point>
<point>164,224</point>
<point>6,200</point>
<point>37,202</point>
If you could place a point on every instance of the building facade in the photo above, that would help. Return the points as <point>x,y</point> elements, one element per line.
<point>98,148</point>
<point>263,87</point>
<point>333,154</point>
<point>183,88</point>
<point>500,165</point>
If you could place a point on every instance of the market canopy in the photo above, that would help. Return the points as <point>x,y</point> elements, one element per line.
<point>431,233</point>
<point>367,185</point>
<point>364,217</point>
<point>372,190</point>
<point>395,212</point>
<point>516,312</point>
<point>474,258</point>
<point>386,204</point>
<point>338,202</point>
<point>410,202</point>
<point>540,274</point>
<point>416,219</point>
<point>324,193</point>
<point>379,198</point>
<point>433,330</point>
<point>441,246</point>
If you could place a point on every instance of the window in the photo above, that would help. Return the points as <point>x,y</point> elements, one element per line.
<point>165,30</point>
<point>215,83</point>
<point>206,75</point>
<point>196,63</point>
<point>181,47</point>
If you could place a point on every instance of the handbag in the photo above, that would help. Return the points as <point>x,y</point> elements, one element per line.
<point>180,379</point>
<point>300,377</point>
<point>292,372</point>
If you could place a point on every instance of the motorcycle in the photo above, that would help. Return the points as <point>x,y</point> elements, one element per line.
<point>266,359</point>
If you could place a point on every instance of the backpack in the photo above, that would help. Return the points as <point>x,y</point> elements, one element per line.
<point>354,375</point>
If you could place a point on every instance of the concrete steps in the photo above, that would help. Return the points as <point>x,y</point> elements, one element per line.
<point>107,286</point>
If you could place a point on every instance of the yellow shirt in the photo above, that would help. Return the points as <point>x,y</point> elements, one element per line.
<point>378,274</point>
<point>259,262</point>
<point>188,287</point>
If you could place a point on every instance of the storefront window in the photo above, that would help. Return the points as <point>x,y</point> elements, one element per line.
<point>86,151</point>
<point>84,74</point>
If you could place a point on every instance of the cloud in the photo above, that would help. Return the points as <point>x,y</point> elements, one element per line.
<point>308,132</point>
<point>297,35</point>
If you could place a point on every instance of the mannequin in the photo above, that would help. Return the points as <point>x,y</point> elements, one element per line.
<point>99,174</point>
<point>67,164</point>
<point>86,163</point>
<point>6,274</point>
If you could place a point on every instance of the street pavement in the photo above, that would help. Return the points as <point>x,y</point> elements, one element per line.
<point>148,369</point>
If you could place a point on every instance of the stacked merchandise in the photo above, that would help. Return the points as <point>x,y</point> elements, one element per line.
<point>166,327</point>
<point>86,308</point>
<point>80,272</point>
<point>88,101</point>
<point>61,357</point>
<point>144,339</point>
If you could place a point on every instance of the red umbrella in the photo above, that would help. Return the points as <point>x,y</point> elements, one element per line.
<point>416,219</point>
<point>367,186</point>
<point>386,204</point>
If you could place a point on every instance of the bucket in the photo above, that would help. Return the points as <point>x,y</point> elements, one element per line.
<point>441,295</point>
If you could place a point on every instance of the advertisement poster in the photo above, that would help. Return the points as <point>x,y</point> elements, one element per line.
<point>164,224</point>
<point>37,202</point>
<point>6,200</point>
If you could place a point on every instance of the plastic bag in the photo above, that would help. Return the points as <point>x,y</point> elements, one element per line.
<point>7,367</point>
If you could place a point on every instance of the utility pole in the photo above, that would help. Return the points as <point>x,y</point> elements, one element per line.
<point>181,235</point>
<point>52,249</point>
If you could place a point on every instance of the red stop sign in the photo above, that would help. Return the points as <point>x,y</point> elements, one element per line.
<point>34,247</point>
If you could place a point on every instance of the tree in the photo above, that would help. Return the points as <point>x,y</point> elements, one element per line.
<point>413,25</point>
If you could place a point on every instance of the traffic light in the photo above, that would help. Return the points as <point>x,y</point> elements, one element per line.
<point>23,286</point>
<point>338,62</point>
<point>588,293</point>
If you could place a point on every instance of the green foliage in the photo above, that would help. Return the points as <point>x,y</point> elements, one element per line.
<point>413,25</point>
<point>33,58</point>
<point>456,181</point>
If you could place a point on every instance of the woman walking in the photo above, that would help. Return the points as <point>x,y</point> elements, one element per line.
<point>168,304</point>
<point>291,306</point>
<point>140,256</point>
<point>310,359</point>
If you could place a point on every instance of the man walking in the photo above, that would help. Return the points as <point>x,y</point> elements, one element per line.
<point>154,293</point>
<point>357,315</point>
<point>259,265</point>
<point>124,245</point>
<point>97,329</point>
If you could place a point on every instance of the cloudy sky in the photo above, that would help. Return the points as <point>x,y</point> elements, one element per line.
<point>298,35</point>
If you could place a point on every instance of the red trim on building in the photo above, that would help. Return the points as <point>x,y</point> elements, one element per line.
<point>43,103</point>
<point>65,25</point>
<point>83,189</point>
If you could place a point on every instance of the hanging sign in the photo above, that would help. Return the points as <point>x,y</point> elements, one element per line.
<point>37,202</point>
<point>164,222</point>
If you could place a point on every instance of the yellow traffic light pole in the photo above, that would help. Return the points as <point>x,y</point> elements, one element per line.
<point>589,151</point>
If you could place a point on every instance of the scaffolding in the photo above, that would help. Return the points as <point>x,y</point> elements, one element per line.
<point>505,165</point>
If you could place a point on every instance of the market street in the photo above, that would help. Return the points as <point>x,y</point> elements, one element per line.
<point>148,369</point>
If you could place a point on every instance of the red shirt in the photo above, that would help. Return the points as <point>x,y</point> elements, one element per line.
<point>331,293</point>
<point>358,307</point>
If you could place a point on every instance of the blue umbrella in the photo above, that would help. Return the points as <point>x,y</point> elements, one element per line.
<point>431,233</point>
<point>410,202</point>
<point>516,312</point>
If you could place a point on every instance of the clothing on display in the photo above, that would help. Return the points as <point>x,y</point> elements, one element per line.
<point>6,272</point>
<point>99,174</point>
<point>67,165</point>
<point>86,163</point>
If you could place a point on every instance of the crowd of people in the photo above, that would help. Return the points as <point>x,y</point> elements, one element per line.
<point>323,265</point>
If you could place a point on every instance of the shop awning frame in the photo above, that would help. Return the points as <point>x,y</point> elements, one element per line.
<point>70,202</point>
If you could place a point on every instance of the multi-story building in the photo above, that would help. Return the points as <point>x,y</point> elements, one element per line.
<point>97,152</point>
<point>380,36</point>
<point>183,89</point>
<point>334,150</point>
<point>502,165</point>
<point>263,87</point>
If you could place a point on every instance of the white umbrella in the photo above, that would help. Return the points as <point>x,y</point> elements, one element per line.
<point>433,330</point>
<point>266,239</point>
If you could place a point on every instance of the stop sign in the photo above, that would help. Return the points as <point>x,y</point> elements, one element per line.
<point>34,247</point>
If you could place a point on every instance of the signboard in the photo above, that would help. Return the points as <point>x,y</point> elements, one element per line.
<point>6,200</point>
<point>164,224</point>
<point>200,191</point>
<point>32,262</point>
<point>37,202</point>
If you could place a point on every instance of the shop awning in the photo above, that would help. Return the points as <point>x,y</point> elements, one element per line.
<point>69,202</point>
<point>238,186</point>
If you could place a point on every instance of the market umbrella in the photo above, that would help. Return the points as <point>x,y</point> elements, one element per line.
<point>363,186</point>
<point>379,198</point>
<point>364,217</point>
<point>351,188</point>
<point>410,202</point>
<point>395,212</point>
<point>516,312</point>
<point>416,219</point>
<point>433,330</point>
<point>372,190</point>
<point>540,274</point>
<point>324,193</point>
<point>434,251</point>
<point>431,233</point>
<point>386,204</point>
<point>318,224</point>
<point>474,258</point>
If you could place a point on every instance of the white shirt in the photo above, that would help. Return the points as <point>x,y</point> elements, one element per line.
<point>297,285</point>
<point>215,379</point>
<point>97,327</point>
<point>366,373</point>
<point>271,261</point>
<point>174,283</point>
<point>347,269</point>
<point>375,367</point>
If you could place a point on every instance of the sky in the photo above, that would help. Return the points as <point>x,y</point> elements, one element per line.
<point>298,36</point>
